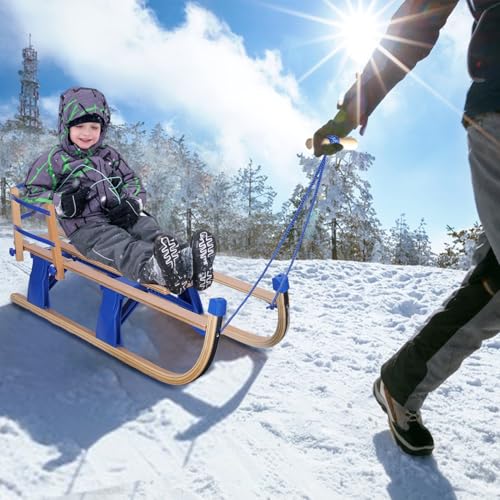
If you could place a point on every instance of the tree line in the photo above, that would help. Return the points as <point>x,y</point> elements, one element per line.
<point>185,194</point>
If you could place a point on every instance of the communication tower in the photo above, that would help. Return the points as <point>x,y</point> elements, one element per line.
<point>29,114</point>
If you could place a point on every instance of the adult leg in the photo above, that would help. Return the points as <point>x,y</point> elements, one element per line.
<point>470,314</point>
<point>452,333</point>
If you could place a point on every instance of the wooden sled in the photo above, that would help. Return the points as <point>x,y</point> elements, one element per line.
<point>53,257</point>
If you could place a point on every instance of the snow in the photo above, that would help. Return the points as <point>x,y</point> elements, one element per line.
<point>297,421</point>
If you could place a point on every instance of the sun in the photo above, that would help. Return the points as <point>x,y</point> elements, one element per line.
<point>355,30</point>
<point>359,33</point>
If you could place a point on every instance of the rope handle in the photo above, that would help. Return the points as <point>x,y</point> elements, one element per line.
<point>314,185</point>
<point>349,143</point>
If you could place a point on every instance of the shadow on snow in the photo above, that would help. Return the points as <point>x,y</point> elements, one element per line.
<point>410,477</point>
<point>67,394</point>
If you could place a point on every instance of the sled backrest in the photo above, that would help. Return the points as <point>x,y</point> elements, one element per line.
<point>50,218</point>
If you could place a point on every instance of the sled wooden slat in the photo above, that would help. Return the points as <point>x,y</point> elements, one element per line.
<point>261,341</point>
<point>16,220</point>
<point>146,298</point>
<point>126,356</point>
<point>54,237</point>
<point>234,283</point>
<point>233,332</point>
<point>243,286</point>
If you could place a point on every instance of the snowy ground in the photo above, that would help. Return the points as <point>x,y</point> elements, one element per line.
<point>296,422</point>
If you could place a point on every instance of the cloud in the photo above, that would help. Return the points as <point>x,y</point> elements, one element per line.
<point>8,109</point>
<point>49,107</point>
<point>198,72</point>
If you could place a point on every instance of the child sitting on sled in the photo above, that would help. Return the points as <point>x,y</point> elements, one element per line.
<point>99,202</point>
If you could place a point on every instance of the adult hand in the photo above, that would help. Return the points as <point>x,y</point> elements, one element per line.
<point>340,126</point>
<point>126,213</point>
<point>73,201</point>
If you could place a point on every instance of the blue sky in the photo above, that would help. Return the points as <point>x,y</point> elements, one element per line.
<point>236,77</point>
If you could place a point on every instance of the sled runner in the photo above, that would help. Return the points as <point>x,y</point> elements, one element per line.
<point>53,256</point>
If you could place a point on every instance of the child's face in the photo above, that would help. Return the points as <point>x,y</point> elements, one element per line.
<point>85,135</point>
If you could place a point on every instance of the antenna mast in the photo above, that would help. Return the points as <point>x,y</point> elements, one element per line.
<point>29,114</point>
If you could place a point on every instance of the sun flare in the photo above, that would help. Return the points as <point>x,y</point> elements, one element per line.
<point>355,30</point>
<point>359,33</point>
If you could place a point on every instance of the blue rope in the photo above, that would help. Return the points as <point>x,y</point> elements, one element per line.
<point>317,177</point>
<point>315,183</point>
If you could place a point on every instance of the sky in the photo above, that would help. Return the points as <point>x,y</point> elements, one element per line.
<point>297,421</point>
<point>252,79</point>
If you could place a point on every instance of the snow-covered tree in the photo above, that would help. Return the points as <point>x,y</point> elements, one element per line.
<point>19,147</point>
<point>176,180</point>
<point>409,247</point>
<point>220,212</point>
<point>345,205</point>
<point>194,181</point>
<point>161,178</point>
<point>255,200</point>
<point>315,242</point>
<point>130,141</point>
<point>381,252</point>
<point>458,253</point>
<point>423,251</point>
<point>402,243</point>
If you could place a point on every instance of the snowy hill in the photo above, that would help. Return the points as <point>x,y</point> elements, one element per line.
<point>296,422</point>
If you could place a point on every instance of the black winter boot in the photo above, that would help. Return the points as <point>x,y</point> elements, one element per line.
<point>204,248</point>
<point>151,273</point>
<point>406,426</point>
<point>175,262</point>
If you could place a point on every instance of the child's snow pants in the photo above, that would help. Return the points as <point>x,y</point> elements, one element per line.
<point>125,250</point>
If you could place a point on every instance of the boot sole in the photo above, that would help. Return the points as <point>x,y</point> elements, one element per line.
<point>167,250</point>
<point>204,248</point>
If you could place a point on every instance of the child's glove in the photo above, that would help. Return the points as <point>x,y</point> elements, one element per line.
<point>125,214</point>
<point>72,202</point>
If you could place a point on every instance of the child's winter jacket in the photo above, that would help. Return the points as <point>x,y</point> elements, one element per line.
<point>65,166</point>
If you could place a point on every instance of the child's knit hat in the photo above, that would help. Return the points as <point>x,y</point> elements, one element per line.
<point>92,117</point>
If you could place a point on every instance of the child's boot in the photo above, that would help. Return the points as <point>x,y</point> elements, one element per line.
<point>204,248</point>
<point>171,264</point>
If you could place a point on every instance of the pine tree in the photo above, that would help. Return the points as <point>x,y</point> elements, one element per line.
<point>153,159</point>
<point>194,182</point>
<point>19,147</point>
<point>423,251</point>
<point>402,244</point>
<point>345,205</point>
<point>220,212</point>
<point>458,254</point>
<point>130,141</point>
<point>315,242</point>
<point>381,252</point>
<point>255,200</point>
<point>176,181</point>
